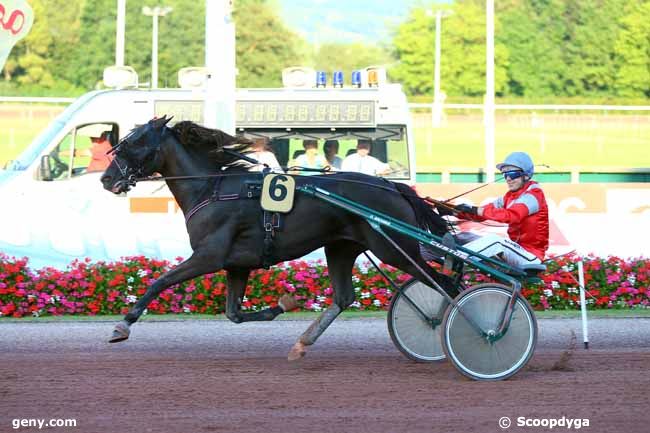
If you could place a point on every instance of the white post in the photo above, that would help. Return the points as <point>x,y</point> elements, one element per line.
<point>583,304</point>
<point>489,93</point>
<point>154,13</point>
<point>119,37</point>
<point>436,113</point>
<point>154,53</point>
<point>220,55</point>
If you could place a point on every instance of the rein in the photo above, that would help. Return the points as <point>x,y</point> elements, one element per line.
<point>326,170</point>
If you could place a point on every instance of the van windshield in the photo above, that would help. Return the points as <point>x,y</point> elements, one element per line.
<point>381,151</point>
<point>42,140</point>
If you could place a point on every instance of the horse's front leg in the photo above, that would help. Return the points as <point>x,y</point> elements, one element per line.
<point>237,279</point>
<point>193,267</point>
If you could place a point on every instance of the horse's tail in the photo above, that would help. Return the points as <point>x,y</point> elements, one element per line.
<point>425,216</point>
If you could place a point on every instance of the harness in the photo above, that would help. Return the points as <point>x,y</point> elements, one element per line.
<point>272,222</point>
<point>250,189</point>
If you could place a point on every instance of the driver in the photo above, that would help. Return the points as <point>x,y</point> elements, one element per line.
<point>523,208</point>
<point>99,158</point>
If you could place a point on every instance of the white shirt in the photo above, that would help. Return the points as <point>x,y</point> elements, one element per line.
<point>267,158</point>
<point>319,163</point>
<point>364,164</point>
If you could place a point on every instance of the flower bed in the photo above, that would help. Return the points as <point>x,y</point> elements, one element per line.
<point>110,288</point>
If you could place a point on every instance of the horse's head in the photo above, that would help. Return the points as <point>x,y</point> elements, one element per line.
<point>136,155</point>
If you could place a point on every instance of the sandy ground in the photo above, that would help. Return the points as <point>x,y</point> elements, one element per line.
<point>214,376</point>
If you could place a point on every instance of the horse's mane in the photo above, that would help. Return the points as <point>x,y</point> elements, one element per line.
<point>211,142</point>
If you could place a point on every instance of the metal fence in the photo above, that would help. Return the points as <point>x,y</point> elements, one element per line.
<point>570,142</point>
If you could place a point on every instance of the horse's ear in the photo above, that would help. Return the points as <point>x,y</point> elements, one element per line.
<point>161,121</point>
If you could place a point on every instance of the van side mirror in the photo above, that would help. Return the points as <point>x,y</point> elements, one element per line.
<point>45,169</point>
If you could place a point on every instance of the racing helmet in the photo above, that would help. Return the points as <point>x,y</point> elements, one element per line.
<point>520,160</point>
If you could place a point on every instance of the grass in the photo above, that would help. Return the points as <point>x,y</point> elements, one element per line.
<point>346,315</point>
<point>562,141</point>
<point>19,124</point>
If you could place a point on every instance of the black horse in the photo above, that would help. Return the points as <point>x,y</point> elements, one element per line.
<point>206,174</point>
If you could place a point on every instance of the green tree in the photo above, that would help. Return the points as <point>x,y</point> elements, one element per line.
<point>180,41</point>
<point>183,42</point>
<point>32,62</point>
<point>592,30</point>
<point>64,22</point>
<point>348,57</point>
<point>462,67</point>
<point>533,33</point>
<point>96,47</point>
<point>413,48</point>
<point>265,45</point>
<point>633,53</point>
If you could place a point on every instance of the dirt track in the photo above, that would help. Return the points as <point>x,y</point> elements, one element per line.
<point>168,378</point>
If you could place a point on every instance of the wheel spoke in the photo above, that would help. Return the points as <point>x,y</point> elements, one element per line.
<point>412,333</point>
<point>474,355</point>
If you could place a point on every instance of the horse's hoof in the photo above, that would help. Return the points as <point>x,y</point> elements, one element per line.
<point>297,352</point>
<point>287,302</point>
<point>120,333</point>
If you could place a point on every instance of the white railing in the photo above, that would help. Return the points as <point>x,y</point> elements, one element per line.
<point>531,107</point>
<point>541,107</point>
<point>43,99</point>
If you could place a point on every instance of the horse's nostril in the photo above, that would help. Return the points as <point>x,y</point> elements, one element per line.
<point>105,179</point>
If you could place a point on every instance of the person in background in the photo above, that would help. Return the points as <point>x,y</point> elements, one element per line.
<point>99,148</point>
<point>363,162</point>
<point>263,153</point>
<point>311,158</point>
<point>523,208</point>
<point>331,149</point>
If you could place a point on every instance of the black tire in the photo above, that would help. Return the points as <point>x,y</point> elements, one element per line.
<point>471,353</point>
<point>409,331</point>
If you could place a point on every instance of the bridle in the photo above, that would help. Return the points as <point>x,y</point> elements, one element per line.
<point>129,175</point>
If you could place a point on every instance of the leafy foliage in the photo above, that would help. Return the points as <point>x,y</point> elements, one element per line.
<point>348,57</point>
<point>265,45</point>
<point>632,51</point>
<point>561,48</point>
<point>544,48</point>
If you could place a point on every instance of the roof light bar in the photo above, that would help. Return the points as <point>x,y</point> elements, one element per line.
<point>321,79</point>
<point>337,79</point>
<point>356,78</point>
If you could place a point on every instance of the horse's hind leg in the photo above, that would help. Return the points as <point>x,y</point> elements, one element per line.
<point>340,259</point>
<point>237,279</point>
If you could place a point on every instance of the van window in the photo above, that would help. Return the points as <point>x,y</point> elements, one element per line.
<point>90,144</point>
<point>60,158</point>
<point>388,152</point>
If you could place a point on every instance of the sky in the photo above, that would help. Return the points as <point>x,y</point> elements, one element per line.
<point>345,20</point>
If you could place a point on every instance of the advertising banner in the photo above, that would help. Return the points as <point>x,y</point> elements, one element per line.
<point>595,218</point>
<point>16,18</point>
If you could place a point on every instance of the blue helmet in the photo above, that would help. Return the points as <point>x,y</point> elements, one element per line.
<point>520,160</point>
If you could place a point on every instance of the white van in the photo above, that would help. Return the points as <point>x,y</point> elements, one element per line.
<point>55,209</point>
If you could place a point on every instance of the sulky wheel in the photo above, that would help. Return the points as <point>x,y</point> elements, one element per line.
<point>417,331</point>
<point>479,357</point>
